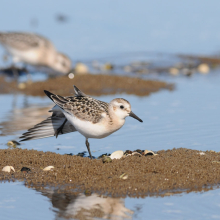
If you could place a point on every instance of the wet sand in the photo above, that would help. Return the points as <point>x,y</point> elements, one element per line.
<point>95,85</point>
<point>168,172</point>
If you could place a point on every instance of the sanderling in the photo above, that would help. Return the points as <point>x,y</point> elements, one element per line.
<point>35,50</point>
<point>90,117</point>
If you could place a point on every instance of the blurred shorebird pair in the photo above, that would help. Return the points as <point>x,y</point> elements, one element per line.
<point>90,117</point>
<point>35,50</point>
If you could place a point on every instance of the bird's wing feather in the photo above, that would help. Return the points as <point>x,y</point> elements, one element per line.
<point>48,127</point>
<point>23,41</point>
<point>81,106</point>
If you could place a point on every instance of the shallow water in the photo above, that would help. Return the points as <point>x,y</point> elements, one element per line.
<point>112,31</point>
<point>20,202</point>
<point>186,117</point>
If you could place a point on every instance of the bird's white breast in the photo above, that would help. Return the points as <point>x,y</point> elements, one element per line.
<point>89,129</point>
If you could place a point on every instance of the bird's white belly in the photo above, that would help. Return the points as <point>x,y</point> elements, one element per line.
<point>29,56</point>
<point>88,129</point>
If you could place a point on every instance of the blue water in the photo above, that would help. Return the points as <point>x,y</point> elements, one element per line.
<point>120,32</point>
<point>99,28</point>
<point>186,117</point>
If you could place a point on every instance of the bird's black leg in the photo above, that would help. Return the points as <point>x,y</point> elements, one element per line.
<point>15,73</point>
<point>87,145</point>
<point>60,129</point>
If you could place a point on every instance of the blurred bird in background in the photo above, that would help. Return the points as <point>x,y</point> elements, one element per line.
<point>33,49</point>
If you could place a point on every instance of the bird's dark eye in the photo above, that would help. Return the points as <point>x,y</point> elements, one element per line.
<point>121,106</point>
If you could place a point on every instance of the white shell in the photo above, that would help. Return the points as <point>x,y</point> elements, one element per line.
<point>48,168</point>
<point>117,154</point>
<point>8,169</point>
<point>136,153</point>
<point>149,152</point>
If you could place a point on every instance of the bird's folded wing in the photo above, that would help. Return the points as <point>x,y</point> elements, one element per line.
<point>23,41</point>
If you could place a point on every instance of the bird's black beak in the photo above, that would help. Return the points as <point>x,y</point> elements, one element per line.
<point>135,116</point>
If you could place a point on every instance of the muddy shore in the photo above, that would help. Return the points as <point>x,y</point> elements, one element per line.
<point>169,171</point>
<point>95,85</point>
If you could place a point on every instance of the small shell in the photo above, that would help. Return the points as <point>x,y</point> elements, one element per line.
<point>136,154</point>
<point>124,176</point>
<point>149,153</point>
<point>117,154</point>
<point>13,143</point>
<point>8,169</point>
<point>214,161</point>
<point>127,152</point>
<point>48,168</point>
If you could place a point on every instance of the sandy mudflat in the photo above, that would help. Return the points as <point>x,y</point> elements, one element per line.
<point>95,85</point>
<point>170,171</point>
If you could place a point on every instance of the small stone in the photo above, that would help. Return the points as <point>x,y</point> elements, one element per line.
<point>71,75</point>
<point>215,161</point>
<point>117,154</point>
<point>128,152</point>
<point>48,168</point>
<point>25,169</point>
<point>21,85</point>
<point>174,71</point>
<point>8,169</point>
<point>81,69</point>
<point>108,66</point>
<point>203,68</point>
<point>106,159</point>
<point>88,192</point>
<point>139,151</point>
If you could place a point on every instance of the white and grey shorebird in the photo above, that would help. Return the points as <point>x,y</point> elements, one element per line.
<point>90,117</point>
<point>34,49</point>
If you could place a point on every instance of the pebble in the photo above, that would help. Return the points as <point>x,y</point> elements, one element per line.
<point>8,169</point>
<point>174,71</point>
<point>106,159</point>
<point>81,69</point>
<point>25,169</point>
<point>21,85</point>
<point>71,75</point>
<point>108,66</point>
<point>203,68</point>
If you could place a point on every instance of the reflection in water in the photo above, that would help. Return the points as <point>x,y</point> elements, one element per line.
<point>87,207</point>
<point>22,118</point>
